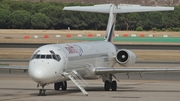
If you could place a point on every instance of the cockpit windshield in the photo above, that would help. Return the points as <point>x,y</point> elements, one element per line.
<point>46,56</point>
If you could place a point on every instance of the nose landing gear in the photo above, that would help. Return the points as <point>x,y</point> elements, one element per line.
<point>42,92</point>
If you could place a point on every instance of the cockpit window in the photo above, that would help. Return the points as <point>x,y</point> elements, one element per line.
<point>56,57</point>
<point>37,56</point>
<point>46,56</point>
<point>43,56</point>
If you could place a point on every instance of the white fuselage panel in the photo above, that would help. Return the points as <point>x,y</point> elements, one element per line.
<point>85,57</point>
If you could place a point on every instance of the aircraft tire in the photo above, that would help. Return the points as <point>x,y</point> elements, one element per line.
<point>64,85</point>
<point>114,86</point>
<point>106,85</point>
<point>56,86</point>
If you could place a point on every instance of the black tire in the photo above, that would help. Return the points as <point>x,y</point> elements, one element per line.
<point>106,85</point>
<point>64,85</point>
<point>114,86</point>
<point>56,86</point>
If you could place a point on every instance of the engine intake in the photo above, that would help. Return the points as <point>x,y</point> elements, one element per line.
<point>125,57</point>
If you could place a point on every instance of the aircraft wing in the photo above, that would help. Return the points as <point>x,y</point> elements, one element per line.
<point>14,67</point>
<point>103,70</point>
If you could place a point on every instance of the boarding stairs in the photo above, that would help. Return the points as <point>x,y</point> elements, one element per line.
<point>78,81</point>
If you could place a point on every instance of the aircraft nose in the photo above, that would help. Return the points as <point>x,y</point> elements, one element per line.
<point>38,75</point>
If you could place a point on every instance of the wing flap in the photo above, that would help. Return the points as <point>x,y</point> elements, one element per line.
<point>103,70</point>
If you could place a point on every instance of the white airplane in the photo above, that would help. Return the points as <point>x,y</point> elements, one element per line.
<point>57,63</point>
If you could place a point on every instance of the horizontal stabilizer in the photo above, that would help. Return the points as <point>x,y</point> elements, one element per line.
<point>129,9</point>
<point>97,9</point>
<point>112,10</point>
<point>122,8</point>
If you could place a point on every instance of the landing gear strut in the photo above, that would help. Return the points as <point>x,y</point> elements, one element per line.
<point>62,85</point>
<point>42,92</point>
<point>109,83</point>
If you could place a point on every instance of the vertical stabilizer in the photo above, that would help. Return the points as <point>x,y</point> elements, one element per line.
<point>113,10</point>
<point>111,24</point>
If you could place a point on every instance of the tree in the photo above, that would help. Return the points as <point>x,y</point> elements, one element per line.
<point>40,21</point>
<point>128,21</point>
<point>54,13</point>
<point>120,24</point>
<point>4,18</point>
<point>20,19</point>
<point>155,20</point>
<point>20,6</point>
<point>139,28</point>
<point>39,5</point>
<point>133,20</point>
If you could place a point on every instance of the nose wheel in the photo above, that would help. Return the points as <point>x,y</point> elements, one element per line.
<point>42,92</point>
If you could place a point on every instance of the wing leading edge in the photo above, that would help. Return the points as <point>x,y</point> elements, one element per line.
<point>14,67</point>
<point>103,70</point>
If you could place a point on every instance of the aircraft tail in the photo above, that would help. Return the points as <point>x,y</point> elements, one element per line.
<point>113,10</point>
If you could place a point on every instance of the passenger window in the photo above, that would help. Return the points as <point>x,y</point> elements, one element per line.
<point>42,56</point>
<point>48,57</point>
<point>37,56</point>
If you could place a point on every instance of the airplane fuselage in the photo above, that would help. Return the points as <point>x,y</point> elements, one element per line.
<point>49,62</point>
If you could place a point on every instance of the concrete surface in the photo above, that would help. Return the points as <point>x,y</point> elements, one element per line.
<point>17,86</point>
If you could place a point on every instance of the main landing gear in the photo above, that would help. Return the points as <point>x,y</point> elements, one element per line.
<point>109,83</point>
<point>62,85</point>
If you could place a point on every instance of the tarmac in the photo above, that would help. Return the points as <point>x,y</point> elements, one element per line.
<point>17,86</point>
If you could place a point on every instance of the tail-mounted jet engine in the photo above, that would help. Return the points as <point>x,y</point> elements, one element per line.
<point>125,57</point>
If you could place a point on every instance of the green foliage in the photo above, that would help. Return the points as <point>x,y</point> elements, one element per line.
<point>20,19</point>
<point>158,30</point>
<point>54,13</point>
<point>169,29</point>
<point>40,21</point>
<point>176,29</point>
<point>154,29</point>
<point>163,29</point>
<point>139,28</point>
<point>49,15</point>
<point>4,18</point>
<point>21,6</point>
